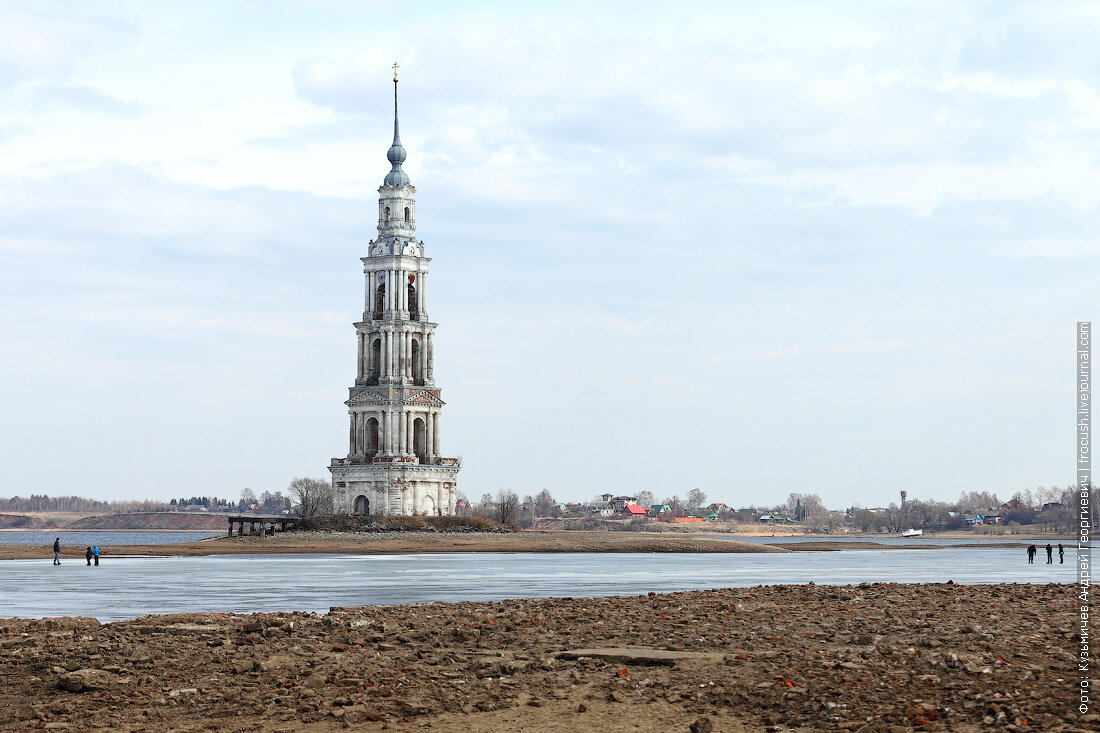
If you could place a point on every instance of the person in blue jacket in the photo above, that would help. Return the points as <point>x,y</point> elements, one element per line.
<point>95,554</point>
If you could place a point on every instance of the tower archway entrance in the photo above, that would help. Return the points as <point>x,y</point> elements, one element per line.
<point>362,504</point>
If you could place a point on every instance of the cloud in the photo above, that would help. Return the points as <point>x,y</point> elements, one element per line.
<point>82,98</point>
<point>822,242</point>
<point>35,44</point>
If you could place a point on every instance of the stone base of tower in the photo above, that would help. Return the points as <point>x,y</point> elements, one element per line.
<point>394,489</point>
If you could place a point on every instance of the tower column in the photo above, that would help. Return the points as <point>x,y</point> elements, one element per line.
<point>408,355</point>
<point>395,354</point>
<point>351,435</point>
<point>400,291</point>
<point>429,435</point>
<point>403,430</point>
<point>394,285</point>
<point>429,357</point>
<point>362,355</point>
<point>404,356</point>
<point>368,300</point>
<point>385,431</point>
<point>383,351</point>
<point>405,293</point>
<point>422,294</point>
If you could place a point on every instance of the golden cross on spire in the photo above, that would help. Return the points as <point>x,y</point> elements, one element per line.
<point>395,71</point>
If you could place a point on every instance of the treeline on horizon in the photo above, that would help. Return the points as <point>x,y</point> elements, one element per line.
<point>44,503</point>
<point>1053,507</point>
<point>268,500</point>
<point>507,507</point>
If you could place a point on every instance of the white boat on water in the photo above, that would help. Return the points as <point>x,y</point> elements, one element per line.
<point>913,533</point>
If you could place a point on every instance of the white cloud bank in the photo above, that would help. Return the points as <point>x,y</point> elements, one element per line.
<point>750,249</point>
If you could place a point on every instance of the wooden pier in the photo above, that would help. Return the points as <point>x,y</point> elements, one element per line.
<point>282,522</point>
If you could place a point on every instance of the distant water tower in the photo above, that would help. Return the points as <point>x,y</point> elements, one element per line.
<point>903,495</point>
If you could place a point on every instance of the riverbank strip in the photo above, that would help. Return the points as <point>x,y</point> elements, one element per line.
<point>399,543</point>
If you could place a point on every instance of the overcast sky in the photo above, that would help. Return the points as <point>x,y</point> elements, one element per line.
<point>751,248</point>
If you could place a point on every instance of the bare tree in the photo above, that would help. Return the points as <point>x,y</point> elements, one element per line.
<point>248,498</point>
<point>507,507</point>
<point>645,498</point>
<point>675,505</point>
<point>314,497</point>
<point>977,501</point>
<point>544,504</point>
<point>487,507</point>
<point>802,506</point>
<point>695,499</point>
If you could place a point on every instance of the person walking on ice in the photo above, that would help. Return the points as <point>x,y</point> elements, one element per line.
<point>88,555</point>
<point>1030,554</point>
<point>1061,554</point>
<point>95,554</point>
<point>57,551</point>
<point>1050,554</point>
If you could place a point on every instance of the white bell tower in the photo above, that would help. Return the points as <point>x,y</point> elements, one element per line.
<point>394,464</point>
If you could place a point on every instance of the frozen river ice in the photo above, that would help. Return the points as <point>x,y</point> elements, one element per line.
<point>128,587</point>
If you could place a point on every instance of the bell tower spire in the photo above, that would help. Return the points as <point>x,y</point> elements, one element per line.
<point>396,178</point>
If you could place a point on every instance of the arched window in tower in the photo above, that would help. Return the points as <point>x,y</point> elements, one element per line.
<point>414,307</point>
<point>379,301</point>
<point>375,362</point>
<point>406,214</point>
<point>372,437</point>
<point>387,213</point>
<point>420,441</point>
<point>417,364</point>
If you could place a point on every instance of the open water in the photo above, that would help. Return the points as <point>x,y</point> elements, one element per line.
<point>128,587</point>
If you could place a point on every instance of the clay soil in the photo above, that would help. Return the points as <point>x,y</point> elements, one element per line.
<point>869,658</point>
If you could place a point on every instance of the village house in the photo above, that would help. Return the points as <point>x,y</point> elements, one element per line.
<point>633,510</point>
<point>618,503</point>
<point>601,509</point>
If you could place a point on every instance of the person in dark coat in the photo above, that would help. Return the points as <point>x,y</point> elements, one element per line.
<point>88,556</point>
<point>95,554</point>
<point>1030,554</point>
<point>1061,554</point>
<point>57,551</point>
<point>1050,554</point>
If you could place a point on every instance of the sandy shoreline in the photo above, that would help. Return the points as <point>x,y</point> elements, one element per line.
<point>880,657</point>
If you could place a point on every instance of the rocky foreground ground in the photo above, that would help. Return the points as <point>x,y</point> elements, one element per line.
<point>869,658</point>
